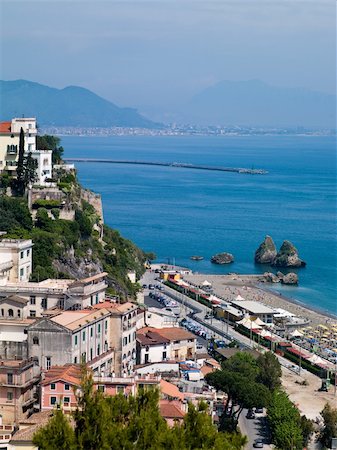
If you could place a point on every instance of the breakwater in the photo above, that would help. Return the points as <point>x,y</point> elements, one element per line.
<point>172,164</point>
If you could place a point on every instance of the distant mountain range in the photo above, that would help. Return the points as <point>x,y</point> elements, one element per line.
<point>255,103</point>
<point>228,103</point>
<point>72,106</point>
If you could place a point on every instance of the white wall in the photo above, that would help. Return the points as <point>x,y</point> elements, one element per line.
<point>155,353</point>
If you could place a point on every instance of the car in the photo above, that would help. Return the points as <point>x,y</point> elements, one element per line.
<point>258,443</point>
<point>151,287</point>
<point>250,414</point>
<point>199,346</point>
<point>144,286</point>
<point>259,410</point>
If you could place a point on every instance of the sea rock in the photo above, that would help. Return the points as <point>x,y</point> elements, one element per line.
<point>288,256</point>
<point>279,274</point>
<point>222,258</point>
<point>271,278</point>
<point>266,252</point>
<point>290,278</point>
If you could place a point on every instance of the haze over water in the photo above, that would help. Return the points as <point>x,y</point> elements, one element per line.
<point>179,212</point>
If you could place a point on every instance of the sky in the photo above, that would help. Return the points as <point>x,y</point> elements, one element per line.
<point>161,53</point>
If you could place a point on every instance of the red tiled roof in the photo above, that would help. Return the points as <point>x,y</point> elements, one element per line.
<point>70,373</point>
<point>170,333</point>
<point>5,127</point>
<point>170,410</point>
<point>151,337</point>
<point>170,390</point>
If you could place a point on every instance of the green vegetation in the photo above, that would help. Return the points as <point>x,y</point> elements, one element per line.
<point>48,142</point>
<point>241,393</point>
<point>329,430</point>
<point>117,423</point>
<point>285,422</point>
<point>48,204</point>
<point>26,169</point>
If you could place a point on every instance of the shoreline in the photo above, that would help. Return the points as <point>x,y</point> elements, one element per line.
<point>229,286</point>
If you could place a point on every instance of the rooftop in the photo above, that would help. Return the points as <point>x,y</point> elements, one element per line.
<point>76,319</point>
<point>96,277</point>
<point>173,333</point>
<point>170,390</point>
<point>150,337</point>
<point>253,307</point>
<point>121,308</point>
<point>71,373</point>
<point>5,127</point>
<point>171,409</point>
<point>14,298</point>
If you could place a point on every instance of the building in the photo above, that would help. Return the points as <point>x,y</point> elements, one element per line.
<point>60,294</point>
<point>9,148</point>
<point>160,344</point>
<point>58,387</point>
<point>15,260</point>
<point>122,338</point>
<point>13,338</point>
<point>72,337</point>
<point>156,318</point>
<point>18,389</point>
<point>255,310</point>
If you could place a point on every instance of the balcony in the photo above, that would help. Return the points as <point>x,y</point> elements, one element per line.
<point>11,165</point>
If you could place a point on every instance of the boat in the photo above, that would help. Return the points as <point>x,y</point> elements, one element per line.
<point>197,258</point>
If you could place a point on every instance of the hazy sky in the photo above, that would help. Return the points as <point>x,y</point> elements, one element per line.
<point>138,53</point>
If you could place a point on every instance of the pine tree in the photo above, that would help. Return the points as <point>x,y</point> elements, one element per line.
<point>57,434</point>
<point>20,170</point>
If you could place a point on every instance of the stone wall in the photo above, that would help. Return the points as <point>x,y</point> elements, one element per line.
<point>13,350</point>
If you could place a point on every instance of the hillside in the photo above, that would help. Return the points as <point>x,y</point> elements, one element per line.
<point>72,248</point>
<point>72,106</point>
<point>255,103</point>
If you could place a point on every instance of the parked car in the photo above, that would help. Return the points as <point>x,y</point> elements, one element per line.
<point>258,443</point>
<point>250,414</point>
<point>144,286</point>
<point>259,410</point>
<point>151,287</point>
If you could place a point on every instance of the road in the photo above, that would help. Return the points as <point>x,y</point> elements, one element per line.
<point>255,429</point>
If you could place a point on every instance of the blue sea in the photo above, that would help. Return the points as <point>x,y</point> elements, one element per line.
<point>179,212</point>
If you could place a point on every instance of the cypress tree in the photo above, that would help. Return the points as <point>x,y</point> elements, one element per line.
<point>20,170</point>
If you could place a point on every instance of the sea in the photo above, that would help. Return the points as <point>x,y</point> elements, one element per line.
<point>179,212</point>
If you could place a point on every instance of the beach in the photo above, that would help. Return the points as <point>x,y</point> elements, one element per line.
<point>229,286</point>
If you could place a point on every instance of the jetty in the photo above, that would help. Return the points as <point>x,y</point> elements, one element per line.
<point>171,164</point>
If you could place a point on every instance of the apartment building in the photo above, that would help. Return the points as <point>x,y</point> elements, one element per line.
<point>123,321</point>
<point>13,338</point>
<point>160,344</point>
<point>18,389</point>
<point>50,294</point>
<point>15,260</point>
<point>72,337</point>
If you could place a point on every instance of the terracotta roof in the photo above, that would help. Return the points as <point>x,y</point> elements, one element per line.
<point>26,434</point>
<point>70,373</point>
<point>5,127</point>
<point>170,410</point>
<point>118,307</point>
<point>172,333</point>
<point>150,337</point>
<point>207,369</point>
<point>170,390</point>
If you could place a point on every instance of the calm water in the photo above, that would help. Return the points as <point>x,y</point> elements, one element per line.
<point>182,212</point>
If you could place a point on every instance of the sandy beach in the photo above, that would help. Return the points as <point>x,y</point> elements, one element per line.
<point>229,286</point>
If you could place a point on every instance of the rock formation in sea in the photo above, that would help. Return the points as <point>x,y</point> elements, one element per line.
<point>270,277</point>
<point>290,278</point>
<point>222,258</point>
<point>266,252</point>
<point>287,256</point>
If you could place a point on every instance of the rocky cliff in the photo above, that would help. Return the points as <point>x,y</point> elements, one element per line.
<point>287,256</point>
<point>266,252</point>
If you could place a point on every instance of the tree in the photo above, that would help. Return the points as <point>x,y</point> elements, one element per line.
<point>48,142</point>
<point>329,430</point>
<point>270,370</point>
<point>307,428</point>
<point>285,422</point>
<point>57,434</point>
<point>30,168</point>
<point>237,380</point>
<point>20,170</point>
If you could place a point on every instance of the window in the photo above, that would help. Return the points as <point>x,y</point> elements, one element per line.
<point>146,358</point>
<point>83,336</point>
<point>91,354</point>
<point>99,328</point>
<point>21,272</point>
<point>44,303</point>
<point>66,387</point>
<point>32,313</point>
<point>52,386</point>
<point>32,299</point>
<point>164,355</point>
<point>66,400</point>
<point>91,331</point>
<point>75,338</point>
<point>9,396</point>
<point>96,299</point>
<point>35,340</point>
<point>21,255</point>
<point>120,389</point>
<point>124,356</point>
<point>10,313</point>
<point>106,326</point>
<point>91,300</point>
<point>48,362</point>
<point>19,313</point>
<point>98,349</point>
<point>75,360</point>
<point>9,378</point>
<point>125,340</point>
<point>28,252</point>
<point>53,400</point>
<point>2,312</point>
<point>101,387</point>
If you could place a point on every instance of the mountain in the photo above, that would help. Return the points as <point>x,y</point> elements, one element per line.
<point>72,106</point>
<point>255,103</point>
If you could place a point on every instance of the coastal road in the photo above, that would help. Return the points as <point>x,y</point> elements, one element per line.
<point>255,429</point>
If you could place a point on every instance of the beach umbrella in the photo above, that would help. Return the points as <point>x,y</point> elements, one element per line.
<point>323,327</point>
<point>296,333</point>
<point>260,322</point>
<point>206,283</point>
<point>239,297</point>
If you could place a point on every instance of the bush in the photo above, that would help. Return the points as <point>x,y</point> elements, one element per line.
<point>56,213</point>
<point>48,204</point>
